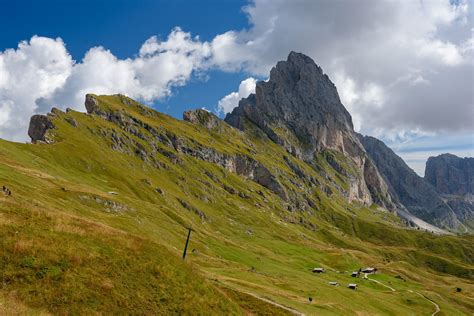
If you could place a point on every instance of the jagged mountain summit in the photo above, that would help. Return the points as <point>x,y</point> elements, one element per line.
<point>442,198</point>
<point>101,202</point>
<point>299,108</point>
<point>450,174</point>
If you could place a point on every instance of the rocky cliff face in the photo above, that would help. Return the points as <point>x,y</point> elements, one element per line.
<point>450,174</point>
<point>299,108</point>
<point>453,178</point>
<point>409,190</point>
<point>172,146</point>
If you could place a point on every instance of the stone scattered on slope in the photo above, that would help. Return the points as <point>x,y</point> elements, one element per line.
<point>39,125</point>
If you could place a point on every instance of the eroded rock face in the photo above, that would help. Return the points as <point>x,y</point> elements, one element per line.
<point>298,98</point>
<point>39,126</point>
<point>453,178</point>
<point>299,108</point>
<point>172,146</point>
<point>450,174</point>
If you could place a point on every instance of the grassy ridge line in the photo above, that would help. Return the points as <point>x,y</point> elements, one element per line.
<point>263,249</point>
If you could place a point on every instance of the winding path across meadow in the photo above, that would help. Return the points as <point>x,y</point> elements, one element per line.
<point>432,302</point>
<point>289,309</point>
<point>438,309</point>
<point>383,284</point>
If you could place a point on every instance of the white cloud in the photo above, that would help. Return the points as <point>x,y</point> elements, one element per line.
<point>34,70</point>
<point>159,67</point>
<point>40,74</point>
<point>442,52</point>
<point>404,69</point>
<point>358,98</point>
<point>230,101</point>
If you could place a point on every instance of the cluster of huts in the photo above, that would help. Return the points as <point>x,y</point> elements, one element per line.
<point>355,274</point>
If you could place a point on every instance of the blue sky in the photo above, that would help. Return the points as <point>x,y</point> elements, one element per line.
<point>122,27</point>
<point>403,69</point>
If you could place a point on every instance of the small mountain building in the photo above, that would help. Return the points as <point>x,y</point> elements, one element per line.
<point>369,270</point>
<point>352,286</point>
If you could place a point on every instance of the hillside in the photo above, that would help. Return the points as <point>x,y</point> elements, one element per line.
<point>101,204</point>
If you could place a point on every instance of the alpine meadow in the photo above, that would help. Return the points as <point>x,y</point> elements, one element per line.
<point>276,202</point>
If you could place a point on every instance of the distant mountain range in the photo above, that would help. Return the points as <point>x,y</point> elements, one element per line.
<point>299,109</point>
<point>425,197</point>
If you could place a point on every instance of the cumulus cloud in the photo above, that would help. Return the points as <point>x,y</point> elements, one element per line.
<point>34,70</point>
<point>230,101</point>
<point>401,67</point>
<point>40,74</point>
<point>398,65</point>
<point>159,66</point>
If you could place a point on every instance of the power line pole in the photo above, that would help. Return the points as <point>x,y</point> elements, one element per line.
<point>187,242</point>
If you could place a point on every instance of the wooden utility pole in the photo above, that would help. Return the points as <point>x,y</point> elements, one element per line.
<point>187,242</point>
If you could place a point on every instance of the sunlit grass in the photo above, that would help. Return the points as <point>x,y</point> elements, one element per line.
<point>70,246</point>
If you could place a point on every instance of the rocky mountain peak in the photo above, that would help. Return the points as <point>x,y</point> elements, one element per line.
<point>450,174</point>
<point>299,108</point>
<point>313,91</point>
<point>406,188</point>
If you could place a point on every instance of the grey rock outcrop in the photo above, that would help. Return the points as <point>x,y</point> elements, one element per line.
<point>91,103</point>
<point>38,128</point>
<point>176,146</point>
<point>299,108</point>
<point>301,101</point>
<point>450,174</point>
<point>203,118</point>
<point>463,206</point>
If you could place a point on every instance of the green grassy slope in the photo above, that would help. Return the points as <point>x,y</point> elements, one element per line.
<point>98,219</point>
